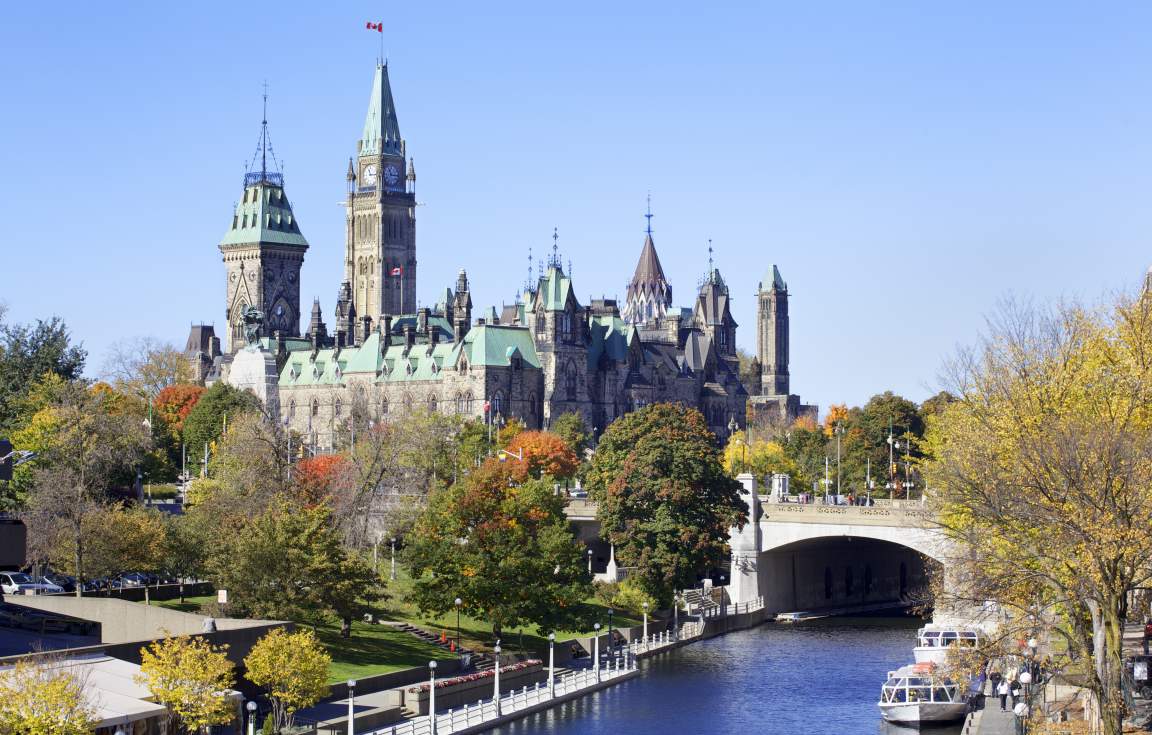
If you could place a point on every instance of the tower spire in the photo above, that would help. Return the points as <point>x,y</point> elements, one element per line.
<point>264,134</point>
<point>264,150</point>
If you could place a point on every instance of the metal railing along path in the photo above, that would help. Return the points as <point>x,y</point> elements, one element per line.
<point>478,713</point>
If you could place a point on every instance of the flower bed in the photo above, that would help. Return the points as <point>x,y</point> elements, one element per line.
<point>478,676</point>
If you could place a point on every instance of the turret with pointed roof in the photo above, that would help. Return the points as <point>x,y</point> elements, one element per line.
<point>649,293</point>
<point>772,334</point>
<point>263,251</point>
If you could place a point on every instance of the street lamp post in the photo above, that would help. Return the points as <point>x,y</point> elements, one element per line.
<point>496,682</point>
<point>589,561</point>
<point>551,665</point>
<point>611,638</point>
<point>645,621</point>
<point>351,707</point>
<point>458,603</point>
<point>676,617</point>
<point>596,651</point>
<point>723,607</point>
<point>839,433</point>
<point>392,542</point>
<point>432,697</point>
<point>251,717</point>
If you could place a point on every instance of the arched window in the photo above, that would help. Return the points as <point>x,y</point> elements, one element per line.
<point>383,406</point>
<point>292,409</point>
<point>570,378</point>
<point>540,322</point>
<point>315,406</point>
<point>337,408</point>
<point>432,404</point>
<point>468,403</point>
<point>497,403</point>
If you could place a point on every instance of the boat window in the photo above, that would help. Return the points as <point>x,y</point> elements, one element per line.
<point>949,638</point>
<point>940,694</point>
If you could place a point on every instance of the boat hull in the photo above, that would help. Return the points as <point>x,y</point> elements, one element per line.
<point>924,711</point>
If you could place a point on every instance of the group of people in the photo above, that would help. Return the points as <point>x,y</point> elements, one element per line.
<point>814,498</point>
<point>1005,687</point>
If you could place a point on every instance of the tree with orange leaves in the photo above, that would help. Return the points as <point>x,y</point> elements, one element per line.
<point>837,414</point>
<point>174,402</point>
<point>544,454</point>
<point>315,477</point>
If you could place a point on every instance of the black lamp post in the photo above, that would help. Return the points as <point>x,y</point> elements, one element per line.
<point>458,602</point>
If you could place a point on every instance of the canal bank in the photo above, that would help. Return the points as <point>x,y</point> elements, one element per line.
<point>820,678</point>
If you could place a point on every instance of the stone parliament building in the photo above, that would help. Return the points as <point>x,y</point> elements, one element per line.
<point>545,355</point>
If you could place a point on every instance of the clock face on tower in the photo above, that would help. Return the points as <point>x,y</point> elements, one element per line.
<point>369,175</point>
<point>391,175</point>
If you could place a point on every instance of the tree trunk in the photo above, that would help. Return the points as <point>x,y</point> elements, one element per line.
<point>1108,655</point>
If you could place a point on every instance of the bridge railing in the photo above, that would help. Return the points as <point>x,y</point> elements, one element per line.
<point>842,501</point>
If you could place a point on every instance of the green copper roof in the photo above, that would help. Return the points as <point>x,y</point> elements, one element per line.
<point>609,335</point>
<point>264,216</point>
<point>381,129</point>
<point>554,290</point>
<point>495,346</point>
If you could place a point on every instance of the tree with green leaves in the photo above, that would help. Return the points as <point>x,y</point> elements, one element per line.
<point>504,548</point>
<point>205,422</point>
<point>665,500</point>
<point>289,563</point>
<point>28,352</point>
<point>571,428</point>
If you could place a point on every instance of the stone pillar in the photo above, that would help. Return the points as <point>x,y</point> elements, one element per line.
<point>254,369</point>
<point>746,543</point>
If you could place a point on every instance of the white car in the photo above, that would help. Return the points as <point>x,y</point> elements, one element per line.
<point>18,583</point>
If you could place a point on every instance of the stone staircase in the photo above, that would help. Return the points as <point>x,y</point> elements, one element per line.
<point>478,662</point>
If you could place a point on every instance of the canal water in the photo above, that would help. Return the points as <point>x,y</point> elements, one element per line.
<point>818,678</point>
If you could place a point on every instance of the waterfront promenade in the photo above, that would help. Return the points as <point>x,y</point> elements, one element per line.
<point>485,714</point>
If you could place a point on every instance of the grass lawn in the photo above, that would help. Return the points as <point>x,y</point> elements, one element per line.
<point>372,649</point>
<point>477,634</point>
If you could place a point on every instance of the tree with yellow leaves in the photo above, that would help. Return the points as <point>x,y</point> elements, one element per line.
<point>292,668</point>
<point>1043,467</point>
<point>44,696</point>
<point>759,457</point>
<point>190,677</point>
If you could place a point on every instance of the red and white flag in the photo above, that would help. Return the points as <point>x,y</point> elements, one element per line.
<point>487,406</point>
<point>397,271</point>
<point>378,27</point>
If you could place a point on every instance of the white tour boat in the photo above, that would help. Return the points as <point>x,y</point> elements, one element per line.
<point>915,693</point>
<point>933,641</point>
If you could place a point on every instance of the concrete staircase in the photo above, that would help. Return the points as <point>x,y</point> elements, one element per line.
<point>478,662</point>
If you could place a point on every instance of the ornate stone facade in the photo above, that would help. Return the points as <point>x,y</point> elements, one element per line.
<point>543,356</point>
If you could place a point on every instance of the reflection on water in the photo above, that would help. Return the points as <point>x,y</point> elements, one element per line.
<point>821,678</point>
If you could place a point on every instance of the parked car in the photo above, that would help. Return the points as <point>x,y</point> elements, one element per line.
<point>18,583</point>
<point>63,581</point>
<point>134,579</point>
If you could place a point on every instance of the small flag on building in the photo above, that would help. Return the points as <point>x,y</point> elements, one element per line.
<point>487,406</point>
<point>397,271</point>
<point>378,27</point>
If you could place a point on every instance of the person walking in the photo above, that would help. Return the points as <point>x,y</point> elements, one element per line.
<point>1002,691</point>
<point>1015,689</point>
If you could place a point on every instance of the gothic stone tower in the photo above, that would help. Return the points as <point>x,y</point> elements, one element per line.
<point>772,334</point>
<point>380,259</point>
<point>263,252</point>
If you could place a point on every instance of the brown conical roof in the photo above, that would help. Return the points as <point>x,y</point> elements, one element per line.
<point>649,293</point>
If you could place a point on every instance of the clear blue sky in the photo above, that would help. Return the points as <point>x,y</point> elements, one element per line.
<point>905,164</point>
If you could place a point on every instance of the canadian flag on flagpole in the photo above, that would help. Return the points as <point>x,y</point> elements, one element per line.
<point>487,406</point>
<point>378,27</point>
<point>397,271</point>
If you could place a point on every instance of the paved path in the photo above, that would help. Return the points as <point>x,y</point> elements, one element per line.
<point>995,722</point>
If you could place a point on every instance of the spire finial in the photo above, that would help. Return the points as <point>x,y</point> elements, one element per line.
<point>264,134</point>
<point>709,256</point>
<point>528,280</point>
<point>648,216</point>
<point>555,262</point>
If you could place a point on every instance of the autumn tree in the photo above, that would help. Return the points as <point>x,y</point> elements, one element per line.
<point>544,455</point>
<point>1043,465</point>
<point>316,477</point>
<point>504,548</point>
<point>184,554</point>
<point>92,447</point>
<point>665,501</point>
<point>759,457</point>
<point>174,402</point>
<point>45,695</point>
<point>292,669</point>
<point>189,676</point>
<point>145,366</point>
